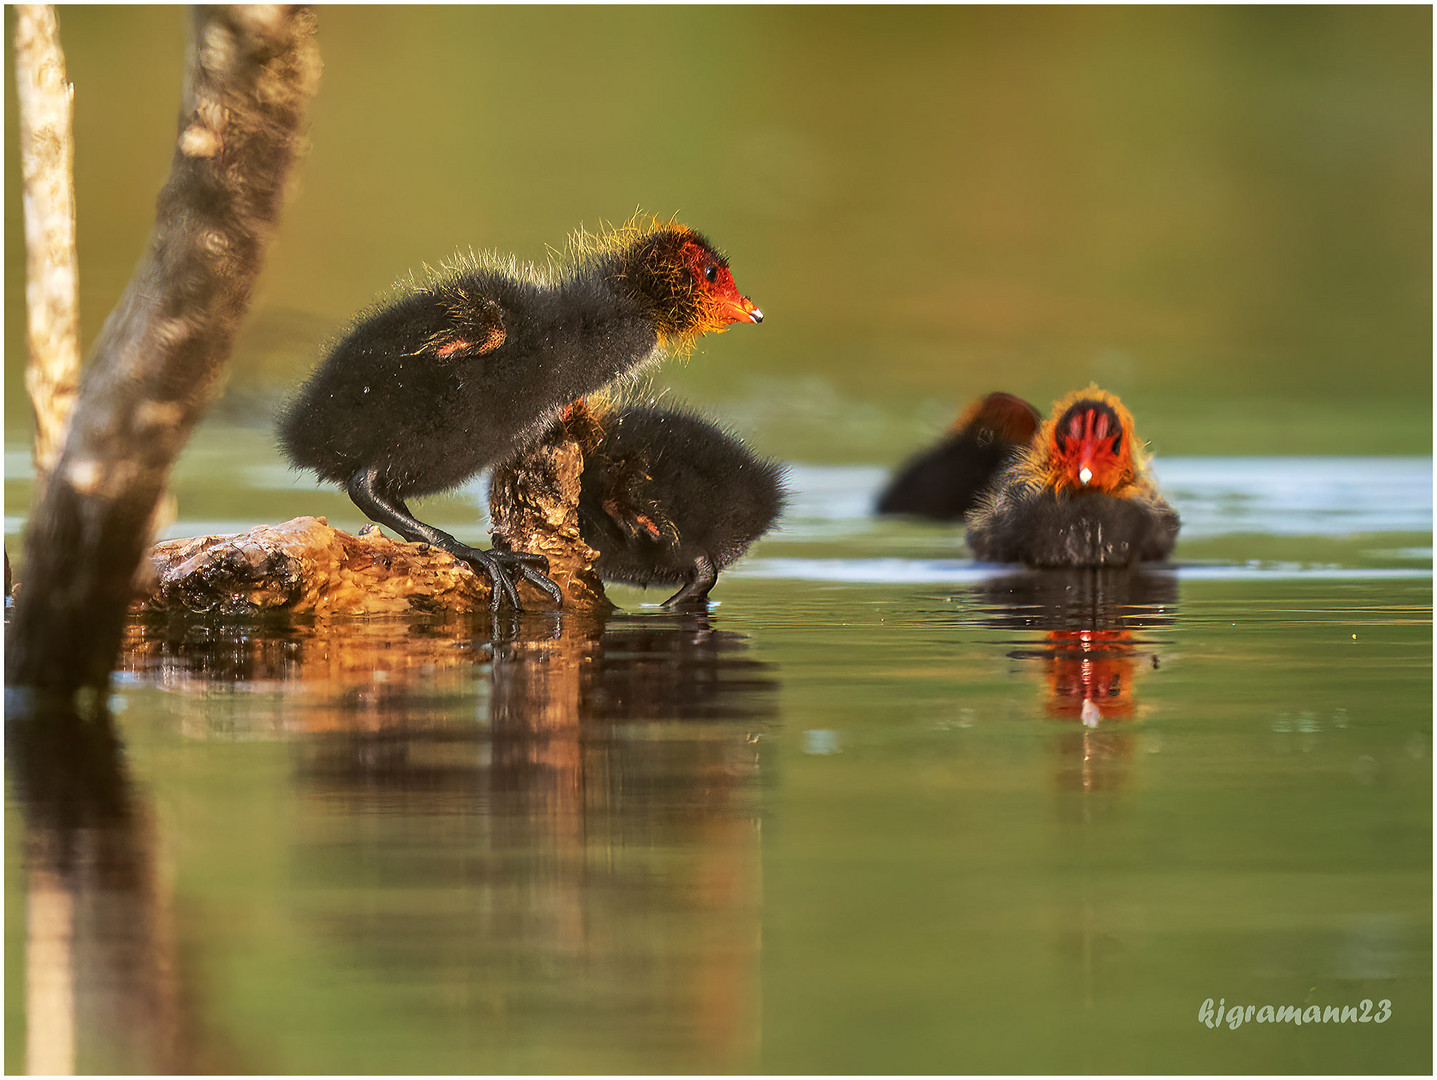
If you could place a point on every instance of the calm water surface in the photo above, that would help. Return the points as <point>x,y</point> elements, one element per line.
<point>881,809</point>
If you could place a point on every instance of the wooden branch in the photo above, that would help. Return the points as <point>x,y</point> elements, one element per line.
<point>47,153</point>
<point>251,72</point>
<point>534,506</point>
<point>305,566</point>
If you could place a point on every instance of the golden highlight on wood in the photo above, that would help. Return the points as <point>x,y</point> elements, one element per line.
<point>47,153</point>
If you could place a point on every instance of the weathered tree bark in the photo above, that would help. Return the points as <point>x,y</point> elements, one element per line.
<point>534,506</point>
<point>251,72</point>
<point>47,154</point>
<point>306,567</point>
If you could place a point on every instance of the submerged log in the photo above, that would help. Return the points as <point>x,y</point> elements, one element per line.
<point>305,566</point>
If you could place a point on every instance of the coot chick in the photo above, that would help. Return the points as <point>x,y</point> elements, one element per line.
<point>667,497</point>
<point>458,375</point>
<point>945,481</point>
<point>1079,495</point>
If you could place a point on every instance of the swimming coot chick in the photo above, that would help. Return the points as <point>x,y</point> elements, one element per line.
<point>667,497</point>
<point>458,375</point>
<point>945,481</point>
<point>1079,495</point>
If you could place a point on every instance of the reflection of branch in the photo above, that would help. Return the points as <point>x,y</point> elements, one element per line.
<point>47,154</point>
<point>96,946</point>
<point>105,991</point>
<point>250,74</point>
<point>49,973</point>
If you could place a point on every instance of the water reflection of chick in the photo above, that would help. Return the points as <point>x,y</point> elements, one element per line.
<point>600,851</point>
<point>676,667</point>
<point>1134,599</point>
<point>569,813</point>
<point>1090,653</point>
<point>1090,674</point>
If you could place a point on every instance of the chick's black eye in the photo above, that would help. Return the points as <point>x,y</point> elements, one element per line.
<point>1117,442</point>
<point>711,272</point>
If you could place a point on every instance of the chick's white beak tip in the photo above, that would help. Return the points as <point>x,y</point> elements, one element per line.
<point>1085,474</point>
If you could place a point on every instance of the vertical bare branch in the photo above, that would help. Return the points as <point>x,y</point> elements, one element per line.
<point>47,154</point>
<point>250,74</point>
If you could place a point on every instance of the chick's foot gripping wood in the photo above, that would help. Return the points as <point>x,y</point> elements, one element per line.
<point>534,500</point>
<point>668,497</point>
<point>363,489</point>
<point>304,566</point>
<point>468,371</point>
<point>1080,494</point>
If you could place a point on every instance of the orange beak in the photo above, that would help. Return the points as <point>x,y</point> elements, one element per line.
<point>743,310</point>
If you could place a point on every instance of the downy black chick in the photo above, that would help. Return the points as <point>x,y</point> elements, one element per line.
<point>1079,495</point>
<point>944,482</point>
<point>427,391</point>
<point>667,497</point>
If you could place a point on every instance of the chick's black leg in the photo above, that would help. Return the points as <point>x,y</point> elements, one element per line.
<point>363,488</point>
<point>695,594</point>
<point>532,568</point>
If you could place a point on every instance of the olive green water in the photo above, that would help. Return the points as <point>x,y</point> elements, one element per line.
<point>825,829</point>
<point>879,810</point>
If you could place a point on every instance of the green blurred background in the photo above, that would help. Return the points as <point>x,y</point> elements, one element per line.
<point>1222,213</point>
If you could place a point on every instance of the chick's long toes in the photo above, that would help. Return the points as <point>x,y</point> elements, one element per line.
<point>532,568</point>
<point>504,590</point>
<point>501,588</point>
<point>542,581</point>
<point>519,560</point>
